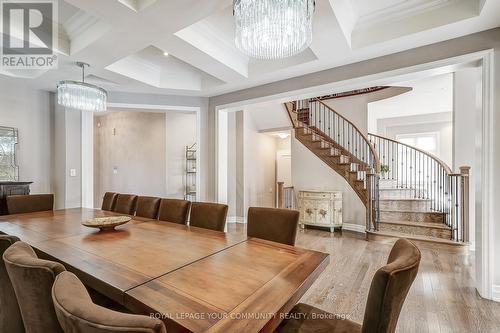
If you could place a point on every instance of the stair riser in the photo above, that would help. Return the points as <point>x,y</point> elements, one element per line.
<point>416,230</point>
<point>412,216</point>
<point>388,183</point>
<point>397,194</point>
<point>417,205</point>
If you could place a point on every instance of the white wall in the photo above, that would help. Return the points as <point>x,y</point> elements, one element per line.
<point>235,166</point>
<point>29,110</point>
<point>259,166</point>
<point>73,147</point>
<point>181,132</point>
<point>433,94</point>
<point>311,173</point>
<point>440,123</point>
<point>467,106</point>
<point>284,160</point>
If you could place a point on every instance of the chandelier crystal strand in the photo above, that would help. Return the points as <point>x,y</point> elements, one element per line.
<point>273,29</point>
<point>81,95</point>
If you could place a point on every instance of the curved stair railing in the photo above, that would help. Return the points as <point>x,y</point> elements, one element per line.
<point>422,176</point>
<point>340,134</point>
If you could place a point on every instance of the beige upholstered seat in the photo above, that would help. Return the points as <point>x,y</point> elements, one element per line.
<point>109,201</point>
<point>77,313</point>
<point>125,204</point>
<point>18,204</point>
<point>388,291</point>
<point>10,316</point>
<point>147,207</point>
<point>174,210</point>
<point>32,279</point>
<point>277,225</point>
<point>208,215</point>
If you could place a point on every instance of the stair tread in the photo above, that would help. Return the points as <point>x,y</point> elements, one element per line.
<point>396,189</point>
<point>403,199</point>
<point>417,237</point>
<point>433,225</point>
<point>411,211</point>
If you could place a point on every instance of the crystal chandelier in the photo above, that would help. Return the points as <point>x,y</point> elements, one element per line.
<point>81,95</point>
<point>273,29</point>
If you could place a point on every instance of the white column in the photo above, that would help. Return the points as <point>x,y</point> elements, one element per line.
<point>87,159</point>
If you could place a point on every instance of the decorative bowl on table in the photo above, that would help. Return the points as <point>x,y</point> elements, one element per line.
<point>107,222</point>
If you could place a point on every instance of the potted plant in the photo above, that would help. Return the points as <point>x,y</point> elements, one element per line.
<point>384,169</point>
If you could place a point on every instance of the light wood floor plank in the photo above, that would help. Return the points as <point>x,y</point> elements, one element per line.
<point>442,299</point>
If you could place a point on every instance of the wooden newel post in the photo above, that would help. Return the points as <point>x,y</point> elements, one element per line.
<point>465,173</point>
<point>280,195</point>
<point>369,206</point>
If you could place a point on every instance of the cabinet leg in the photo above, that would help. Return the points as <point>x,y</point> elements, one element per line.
<point>332,230</point>
<point>302,226</point>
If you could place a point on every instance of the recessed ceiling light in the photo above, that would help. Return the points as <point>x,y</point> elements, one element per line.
<point>165,54</point>
<point>283,135</point>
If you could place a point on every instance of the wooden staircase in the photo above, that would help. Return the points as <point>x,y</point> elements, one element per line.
<point>401,215</point>
<point>426,201</point>
<point>338,159</point>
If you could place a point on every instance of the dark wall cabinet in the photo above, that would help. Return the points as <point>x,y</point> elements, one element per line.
<point>11,188</point>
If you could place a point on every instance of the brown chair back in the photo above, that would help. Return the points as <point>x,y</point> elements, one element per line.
<point>389,288</point>
<point>18,204</point>
<point>10,315</point>
<point>208,215</point>
<point>125,204</point>
<point>174,210</point>
<point>273,224</point>
<point>32,279</point>
<point>108,201</point>
<point>147,207</point>
<point>77,313</point>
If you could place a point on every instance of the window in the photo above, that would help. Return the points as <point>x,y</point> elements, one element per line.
<point>428,142</point>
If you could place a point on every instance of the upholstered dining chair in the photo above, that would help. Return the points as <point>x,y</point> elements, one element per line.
<point>77,313</point>
<point>388,291</point>
<point>174,210</point>
<point>273,224</point>
<point>125,204</point>
<point>18,204</point>
<point>10,315</point>
<point>108,201</point>
<point>32,279</point>
<point>208,215</point>
<point>147,207</point>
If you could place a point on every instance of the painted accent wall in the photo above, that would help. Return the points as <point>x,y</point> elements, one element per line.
<point>141,152</point>
<point>129,154</point>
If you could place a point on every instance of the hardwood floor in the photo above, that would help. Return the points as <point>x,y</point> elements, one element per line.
<point>442,298</point>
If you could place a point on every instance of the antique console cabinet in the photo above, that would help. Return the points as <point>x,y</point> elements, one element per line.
<point>322,209</point>
<point>11,188</point>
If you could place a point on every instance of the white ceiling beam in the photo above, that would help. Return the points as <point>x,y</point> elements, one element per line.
<point>346,15</point>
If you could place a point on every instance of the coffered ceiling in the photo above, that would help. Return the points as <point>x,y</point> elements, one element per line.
<point>125,41</point>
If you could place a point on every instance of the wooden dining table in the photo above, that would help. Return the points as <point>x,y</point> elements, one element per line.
<point>194,279</point>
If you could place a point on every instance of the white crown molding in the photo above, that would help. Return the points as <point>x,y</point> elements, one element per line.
<point>402,10</point>
<point>78,24</point>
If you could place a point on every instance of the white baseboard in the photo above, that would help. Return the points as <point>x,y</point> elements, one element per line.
<point>354,227</point>
<point>235,219</point>
<point>495,293</point>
